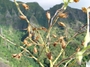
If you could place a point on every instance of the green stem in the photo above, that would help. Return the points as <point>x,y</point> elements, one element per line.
<point>58,56</point>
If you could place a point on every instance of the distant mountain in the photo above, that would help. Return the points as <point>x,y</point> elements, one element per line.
<point>9,15</point>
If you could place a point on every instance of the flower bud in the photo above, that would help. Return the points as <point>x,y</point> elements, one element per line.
<point>22,17</point>
<point>49,56</point>
<point>61,24</point>
<point>35,50</point>
<point>76,1</point>
<point>84,9</point>
<point>25,6</point>
<point>48,15</point>
<point>63,15</point>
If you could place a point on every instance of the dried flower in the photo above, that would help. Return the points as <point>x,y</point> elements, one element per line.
<point>84,9</point>
<point>17,56</point>
<point>55,43</point>
<point>48,15</point>
<point>25,42</point>
<point>49,56</point>
<point>43,28</point>
<point>78,49</point>
<point>76,0</point>
<point>63,15</point>
<point>54,35</point>
<point>63,44</point>
<point>22,17</point>
<point>29,28</point>
<point>61,24</point>
<point>25,6</point>
<point>35,50</point>
<point>29,44</point>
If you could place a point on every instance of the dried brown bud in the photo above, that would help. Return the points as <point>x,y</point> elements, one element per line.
<point>17,56</point>
<point>22,17</point>
<point>63,15</point>
<point>29,28</point>
<point>54,35</point>
<point>25,42</point>
<point>78,49</point>
<point>37,37</point>
<point>29,44</point>
<point>76,0</point>
<point>35,50</point>
<point>43,28</point>
<point>25,6</point>
<point>48,15</point>
<point>61,24</point>
<point>49,56</point>
<point>63,44</point>
<point>55,43</point>
<point>34,29</point>
<point>84,9</point>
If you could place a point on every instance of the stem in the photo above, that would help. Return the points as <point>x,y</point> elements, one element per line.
<point>58,56</point>
<point>33,56</point>
<point>51,63</point>
<point>7,39</point>
<point>68,62</point>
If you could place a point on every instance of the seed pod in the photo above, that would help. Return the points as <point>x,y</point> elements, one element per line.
<point>43,28</point>
<point>25,6</point>
<point>78,49</point>
<point>61,24</point>
<point>17,56</point>
<point>55,43</point>
<point>25,42</point>
<point>84,9</point>
<point>48,15</point>
<point>63,15</point>
<point>35,50</point>
<point>37,37</point>
<point>76,0</point>
<point>54,35</point>
<point>49,56</point>
<point>14,55</point>
<point>29,28</point>
<point>63,44</point>
<point>29,44</point>
<point>22,17</point>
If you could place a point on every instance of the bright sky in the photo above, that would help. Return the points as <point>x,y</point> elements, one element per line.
<point>46,4</point>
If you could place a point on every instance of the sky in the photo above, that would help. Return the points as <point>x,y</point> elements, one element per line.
<point>46,4</point>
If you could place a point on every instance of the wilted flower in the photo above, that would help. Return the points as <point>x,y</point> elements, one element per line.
<point>25,6</point>
<point>48,15</point>
<point>22,17</point>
